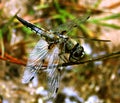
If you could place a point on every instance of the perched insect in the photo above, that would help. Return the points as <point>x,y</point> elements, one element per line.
<point>52,49</point>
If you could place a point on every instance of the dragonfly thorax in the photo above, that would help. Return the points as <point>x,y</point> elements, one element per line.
<point>77,53</point>
<point>74,49</point>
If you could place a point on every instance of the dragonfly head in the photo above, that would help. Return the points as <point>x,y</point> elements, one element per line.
<point>77,53</point>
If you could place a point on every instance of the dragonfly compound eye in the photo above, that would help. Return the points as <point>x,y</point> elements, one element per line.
<point>76,53</point>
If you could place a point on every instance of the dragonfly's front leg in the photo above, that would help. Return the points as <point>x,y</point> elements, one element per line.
<point>63,53</point>
<point>63,58</point>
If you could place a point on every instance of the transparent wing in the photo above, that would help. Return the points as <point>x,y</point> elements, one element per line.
<point>35,61</point>
<point>67,27</point>
<point>53,73</point>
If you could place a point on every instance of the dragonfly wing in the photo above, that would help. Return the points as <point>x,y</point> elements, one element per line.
<point>35,61</point>
<point>53,73</point>
<point>31,26</point>
<point>67,27</point>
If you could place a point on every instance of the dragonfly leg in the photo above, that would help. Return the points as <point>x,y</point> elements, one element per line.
<point>63,58</point>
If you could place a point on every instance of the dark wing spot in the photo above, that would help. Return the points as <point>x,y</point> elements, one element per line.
<point>31,78</point>
<point>56,90</point>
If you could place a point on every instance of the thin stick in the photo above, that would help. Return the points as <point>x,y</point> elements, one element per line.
<point>114,54</point>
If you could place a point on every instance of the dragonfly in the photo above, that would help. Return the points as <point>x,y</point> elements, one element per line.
<point>56,49</point>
